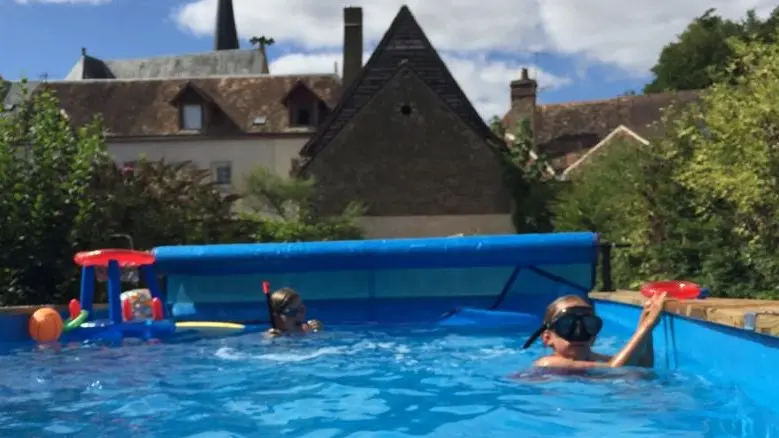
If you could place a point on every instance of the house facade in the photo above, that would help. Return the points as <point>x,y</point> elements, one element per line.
<point>568,134</point>
<point>221,110</point>
<point>230,125</point>
<point>405,141</point>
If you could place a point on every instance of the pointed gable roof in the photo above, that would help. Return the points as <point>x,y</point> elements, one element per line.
<point>404,43</point>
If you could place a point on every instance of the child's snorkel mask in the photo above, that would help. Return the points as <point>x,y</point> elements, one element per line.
<point>574,324</point>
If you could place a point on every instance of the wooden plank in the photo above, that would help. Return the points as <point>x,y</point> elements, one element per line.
<point>726,311</point>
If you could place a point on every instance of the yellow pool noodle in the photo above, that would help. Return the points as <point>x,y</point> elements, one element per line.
<point>210,325</point>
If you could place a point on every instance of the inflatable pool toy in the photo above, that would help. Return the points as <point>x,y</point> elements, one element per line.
<point>124,257</point>
<point>138,304</point>
<point>136,313</point>
<point>75,322</point>
<point>680,290</point>
<point>45,325</point>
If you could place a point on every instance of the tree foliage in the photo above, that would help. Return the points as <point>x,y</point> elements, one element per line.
<point>282,210</point>
<point>46,168</point>
<point>162,203</point>
<point>526,175</point>
<point>61,193</point>
<point>702,53</point>
<point>4,86</point>
<point>701,201</point>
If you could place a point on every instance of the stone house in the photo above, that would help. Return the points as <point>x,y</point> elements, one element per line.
<point>222,110</point>
<point>569,134</point>
<point>405,140</point>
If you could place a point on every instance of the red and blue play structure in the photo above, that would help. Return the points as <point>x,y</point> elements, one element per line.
<point>120,323</point>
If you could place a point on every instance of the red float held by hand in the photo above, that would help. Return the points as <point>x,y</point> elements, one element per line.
<point>680,290</point>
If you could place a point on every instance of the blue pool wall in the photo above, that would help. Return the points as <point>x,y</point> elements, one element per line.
<point>728,354</point>
<point>379,281</point>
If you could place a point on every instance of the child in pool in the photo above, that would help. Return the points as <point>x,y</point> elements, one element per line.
<point>570,327</point>
<point>289,313</point>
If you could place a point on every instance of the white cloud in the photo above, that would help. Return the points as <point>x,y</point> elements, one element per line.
<point>484,81</point>
<point>627,35</point>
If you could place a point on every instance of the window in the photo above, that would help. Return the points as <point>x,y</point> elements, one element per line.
<point>222,173</point>
<point>192,117</point>
<point>301,117</point>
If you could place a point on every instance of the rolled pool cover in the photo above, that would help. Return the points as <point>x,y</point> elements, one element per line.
<point>470,317</point>
<point>410,253</point>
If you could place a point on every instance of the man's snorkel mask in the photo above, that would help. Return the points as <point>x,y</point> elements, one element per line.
<point>574,324</point>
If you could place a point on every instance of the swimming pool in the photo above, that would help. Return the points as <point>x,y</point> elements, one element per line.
<point>355,382</point>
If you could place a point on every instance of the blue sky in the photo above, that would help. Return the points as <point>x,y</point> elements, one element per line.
<point>570,62</point>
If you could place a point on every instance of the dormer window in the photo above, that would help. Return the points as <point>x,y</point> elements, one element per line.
<point>196,109</point>
<point>306,109</point>
<point>191,117</point>
<point>300,115</point>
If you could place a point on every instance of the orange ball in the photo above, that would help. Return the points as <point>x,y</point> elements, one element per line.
<point>45,325</point>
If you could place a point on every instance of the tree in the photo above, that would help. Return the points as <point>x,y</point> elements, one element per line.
<point>60,193</point>
<point>626,194</point>
<point>526,175</point>
<point>161,203</point>
<point>702,52</point>
<point>732,139</point>
<point>46,168</point>
<point>700,202</point>
<point>281,209</point>
<point>4,87</point>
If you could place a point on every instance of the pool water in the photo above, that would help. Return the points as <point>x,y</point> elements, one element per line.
<point>369,382</point>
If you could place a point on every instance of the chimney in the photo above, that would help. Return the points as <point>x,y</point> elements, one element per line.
<point>523,98</point>
<point>352,63</point>
<point>226,33</point>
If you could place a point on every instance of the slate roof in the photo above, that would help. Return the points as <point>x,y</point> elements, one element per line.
<point>218,63</point>
<point>404,43</point>
<point>146,107</point>
<point>564,132</point>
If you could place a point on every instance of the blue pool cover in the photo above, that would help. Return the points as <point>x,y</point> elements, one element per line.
<point>424,253</point>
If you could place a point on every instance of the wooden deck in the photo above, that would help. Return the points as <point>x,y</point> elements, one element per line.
<point>725,311</point>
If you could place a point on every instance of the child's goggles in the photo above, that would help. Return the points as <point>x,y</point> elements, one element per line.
<point>574,324</point>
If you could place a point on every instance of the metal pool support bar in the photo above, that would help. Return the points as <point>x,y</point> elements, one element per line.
<point>605,249</point>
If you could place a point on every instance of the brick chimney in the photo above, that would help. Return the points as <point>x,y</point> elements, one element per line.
<point>352,63</point>
<point>523,98</point>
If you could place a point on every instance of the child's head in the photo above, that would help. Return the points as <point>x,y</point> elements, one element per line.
<point>288,309</point>
<point>569,327</point>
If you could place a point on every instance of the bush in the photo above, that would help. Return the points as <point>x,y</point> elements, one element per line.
<point>46,169</point>
<point>700,203</point>
<point>533,189</point>
<point>281,210</point>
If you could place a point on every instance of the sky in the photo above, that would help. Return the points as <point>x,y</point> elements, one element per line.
<point>577,50</point>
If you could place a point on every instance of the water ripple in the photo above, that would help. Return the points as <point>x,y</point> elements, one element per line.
<point>361,383</point>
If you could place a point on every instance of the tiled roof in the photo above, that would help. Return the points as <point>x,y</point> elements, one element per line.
<point>403,45</point>
<point>564,132</point>
<point>137,108</point>
<point>218,63</point>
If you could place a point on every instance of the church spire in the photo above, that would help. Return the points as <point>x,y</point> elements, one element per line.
<point>226,34</point>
